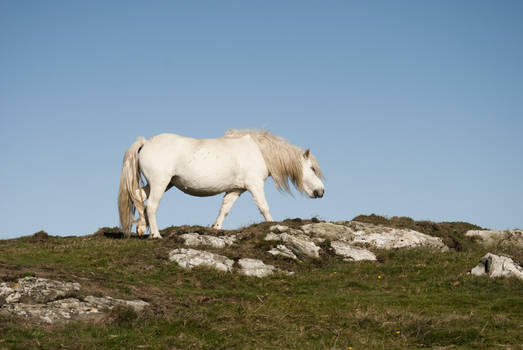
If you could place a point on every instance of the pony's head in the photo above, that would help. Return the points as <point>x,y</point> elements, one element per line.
<point>287,162</point>
<point>311,176</point>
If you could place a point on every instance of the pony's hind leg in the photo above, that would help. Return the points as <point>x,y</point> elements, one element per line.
<point>141,225</point>
<point>228,202</point>
<point>157,190</point>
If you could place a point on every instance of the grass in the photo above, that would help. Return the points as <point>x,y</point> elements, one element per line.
<point>408,299</point>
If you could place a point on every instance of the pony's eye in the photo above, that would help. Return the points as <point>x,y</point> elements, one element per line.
<point>313,170</point>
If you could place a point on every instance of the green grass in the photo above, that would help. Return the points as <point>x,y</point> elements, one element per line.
<point>409,299</point>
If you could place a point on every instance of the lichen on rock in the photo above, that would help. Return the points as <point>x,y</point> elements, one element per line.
<point>43,300</point>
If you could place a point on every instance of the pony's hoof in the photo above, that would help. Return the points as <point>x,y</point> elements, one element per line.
<point>155,237</point>
<point>140,231</point>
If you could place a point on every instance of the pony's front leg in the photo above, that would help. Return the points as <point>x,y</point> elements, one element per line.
<point>258,194</point>
<point>228,202</point>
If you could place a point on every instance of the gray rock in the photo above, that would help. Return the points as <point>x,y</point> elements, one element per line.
<point>33,290</point>
<point>297,242</point>
<point>255,267</point>
<point>351,253</point>
<point>42,300</point>
<point>497,266</point>
<point>195,240</point>
<point>500,237</point>
<point>372,235</point>
<point>301,245</point>
<point>189,258</point>
<point>273,237</point>
<point>390,238</point>
<point>283,251</point>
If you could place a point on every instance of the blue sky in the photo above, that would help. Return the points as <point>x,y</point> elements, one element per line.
<point>413,108</point>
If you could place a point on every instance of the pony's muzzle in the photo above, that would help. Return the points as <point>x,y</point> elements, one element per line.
<point>318,193</point>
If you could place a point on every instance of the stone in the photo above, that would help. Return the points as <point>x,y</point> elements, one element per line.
<point>301,245</point>
<point>297,242</point>
<point>33,290</point>
<point>351,253</point>
<point>255,267</point>
<point>189,258</point>
<point>497,266</point>
<point>391,238</point>
<point>328,230</point>
<point>283,251</point>
<point>195,240</point>
<point>273,237</point>
<point>278,228</point>
<point>46,301</point>
<point>498,237</point>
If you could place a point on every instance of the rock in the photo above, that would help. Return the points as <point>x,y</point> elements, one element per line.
<point>390,238</point>
<point>351,253</point>
<point>33,290</point>
<point>372,235</point>
<point>255,267</point>
<point>189,258</point>
<point>195,239</point>
<point>297,242</point>
<point>497,266</point>
<point>43,300</point>
<point>328,230</point>
<point>501,237</point>
<point>301,245</point>
<point>59,311</point>
<point>278,228</point>
<point>273,237</point>
<point>283,251</point>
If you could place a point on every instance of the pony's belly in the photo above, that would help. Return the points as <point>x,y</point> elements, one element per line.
<point>197,188</point>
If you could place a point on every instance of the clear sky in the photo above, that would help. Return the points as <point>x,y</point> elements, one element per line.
<point>413,108</point>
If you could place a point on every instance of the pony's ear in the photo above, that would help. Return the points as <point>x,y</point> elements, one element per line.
<point>307,153</point>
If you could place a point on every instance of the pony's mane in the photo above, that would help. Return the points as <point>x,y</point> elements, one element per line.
<point>283,160</point>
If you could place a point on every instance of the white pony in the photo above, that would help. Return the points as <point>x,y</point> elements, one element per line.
<point>234,163</point>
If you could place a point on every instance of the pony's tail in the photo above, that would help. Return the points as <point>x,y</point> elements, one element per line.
<point>128,194</point>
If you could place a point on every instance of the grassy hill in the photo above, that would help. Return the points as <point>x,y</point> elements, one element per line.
<point>407,299</point>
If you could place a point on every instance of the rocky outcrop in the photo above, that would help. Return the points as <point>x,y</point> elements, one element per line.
<point>498,238</point>
<point>349,240</point>
<point>497,266</point>
<point>381,237</point>
<point>48,301</point>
